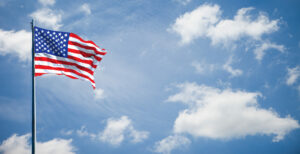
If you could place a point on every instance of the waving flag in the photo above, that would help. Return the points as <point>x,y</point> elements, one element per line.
<point>64,53</point>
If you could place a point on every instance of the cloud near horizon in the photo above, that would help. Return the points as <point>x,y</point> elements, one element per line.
<point>21,145</point>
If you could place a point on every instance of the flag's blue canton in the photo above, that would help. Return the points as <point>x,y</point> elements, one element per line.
<point>51,42</point>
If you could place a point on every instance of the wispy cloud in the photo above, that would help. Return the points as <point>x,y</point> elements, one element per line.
<point>170,143</point>
<point>20,145</point>
<point>293,75</point>
<point>234,72</point>
<point>85,8</point>
<point>183,2</point>
<point>83,132</point>
<point>202,67</point>
<point>99,93</point>
<point>260,50</point>
<point>47,2</point>
<point>227,114</point>
<point>68,132</point>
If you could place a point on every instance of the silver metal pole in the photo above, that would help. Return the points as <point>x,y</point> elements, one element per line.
<point>33,133</point>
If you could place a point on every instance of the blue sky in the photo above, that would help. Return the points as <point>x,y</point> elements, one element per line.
<point>180,76</point>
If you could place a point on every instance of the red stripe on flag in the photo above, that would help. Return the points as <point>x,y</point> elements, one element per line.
<point>63,62</point>
<point>64,70</point>
<point>39,74</point>
<point>84,54</point>
<point>79,38</point>
<point>86,47</point>
<point>90,62</point>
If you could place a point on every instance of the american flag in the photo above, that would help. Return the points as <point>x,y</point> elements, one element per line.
<point>64,53</point>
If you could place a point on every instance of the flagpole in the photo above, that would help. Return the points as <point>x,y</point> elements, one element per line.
<point>33,127</point>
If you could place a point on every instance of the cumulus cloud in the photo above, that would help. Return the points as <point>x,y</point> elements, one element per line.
<point>227,114</point>
<point>206,22</point>
<point>85,8</point>
<point>20,145</point>
<point>114,130</point>
<point>194,24</point>
<point>170,143</point>
<point>242,25</point>
<point>117,129</point>
<point>234,72</point>
<point>48,18</point>
<point>260,51</point>
<point>47,2</point>
<point>293,75</point>
<point>16,43</point>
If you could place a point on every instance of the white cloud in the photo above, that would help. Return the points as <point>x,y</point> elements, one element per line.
<point>242,25</point>
<point>57,146</point>
<point>48,18</point>
<point>234,72</point>
<point>16,43</point>
<point>202,67</point>
<point>114,130</point>
<point>85,8</point>
<point>99,93</point>
<point>117,129</point>
<point>193,25</point>
<point>170,143</point>
<point>293,75</point>
<point>206,22</point>
<point>16,144</point>
<point>20,145</point>
<point>47,2</point>
<point>260,51</point>
<point>227,114</point>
